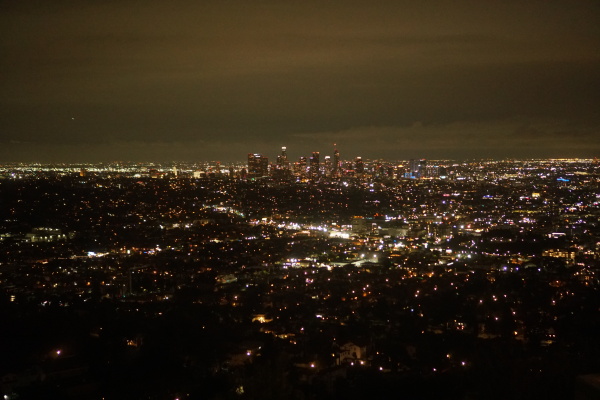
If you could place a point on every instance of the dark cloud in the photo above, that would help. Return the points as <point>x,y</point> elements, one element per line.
<point>217,79</point>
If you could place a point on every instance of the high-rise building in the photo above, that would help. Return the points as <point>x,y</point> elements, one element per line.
<point>359,165</point>
<point>258,165</point>
<point>413,168</point>
<point>315,164</point>
<point>336,172</point>
<point>282,168</point>
<point>282,160</point>
<point>418,169</point>
<point>301,167</point>
<point>423,169</point>
<point>328,165</point>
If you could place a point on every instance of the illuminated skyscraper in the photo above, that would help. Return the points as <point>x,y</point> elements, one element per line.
<point>282,169</point>
<point>359,165</point>
<point>328,166</point>
<point>423,173</point>
<point>315,164</point>
<point>301,167</point>
<point>413,168</point>
<point>417,169</point>
<point>282,160</point>
<point>257,165</point>
<point>336,172</point>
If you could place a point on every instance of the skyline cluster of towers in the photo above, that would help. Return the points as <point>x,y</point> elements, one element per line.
<point>310,167</point>
<point>331,167</point>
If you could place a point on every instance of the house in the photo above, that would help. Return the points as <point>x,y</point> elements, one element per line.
<point>353,354</point>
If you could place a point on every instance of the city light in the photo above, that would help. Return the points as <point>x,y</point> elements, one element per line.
<point>300,277</point>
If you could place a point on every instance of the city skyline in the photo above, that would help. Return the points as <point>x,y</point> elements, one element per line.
<point>185,81</point>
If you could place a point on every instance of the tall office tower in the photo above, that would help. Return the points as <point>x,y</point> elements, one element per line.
<point>315,164</point>
<point>413,169</point>
<point>359,165</point>
<point>423,173</point>
<point>336,163</point>
<point>282,168</point>
<point>416,168</point>
<point>301,167</point>
<point>257,165</point>
<point>282,160</point>
<point>328,166</point>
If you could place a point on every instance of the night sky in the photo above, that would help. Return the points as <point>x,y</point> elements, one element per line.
<point>89,81</point>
